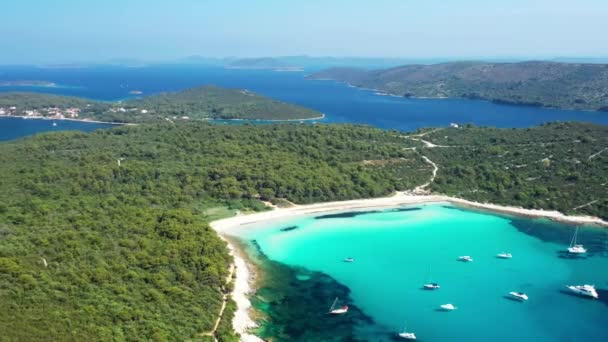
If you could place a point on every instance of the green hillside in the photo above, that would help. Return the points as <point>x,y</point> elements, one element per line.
<point>548,84</point>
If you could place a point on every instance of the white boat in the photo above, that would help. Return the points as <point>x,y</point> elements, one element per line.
<point>504,255</point>
<point>430,285</point>
<point>349,259</point>
<point>54,124</point>
<point>584,290</point>
<point>448,307</point>
<point>465,258</point>
<point>406,335</point>
<point>338,311</point>
<point>574,247</point>
<point>519,295</point>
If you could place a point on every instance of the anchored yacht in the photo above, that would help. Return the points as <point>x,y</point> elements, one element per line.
<point>519,295</point>
<point>584,290</point>
<point>431,286</point>
<point>406,335</point>
<point>448,307</point>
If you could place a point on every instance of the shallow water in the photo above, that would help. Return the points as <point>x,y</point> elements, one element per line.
<point>394,251</point>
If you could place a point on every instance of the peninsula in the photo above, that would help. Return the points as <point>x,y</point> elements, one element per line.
<point>207,102</point>
<point>547,84</point>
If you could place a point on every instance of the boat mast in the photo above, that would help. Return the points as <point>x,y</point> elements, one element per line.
<point>333,304</point>
<point>573,241</point>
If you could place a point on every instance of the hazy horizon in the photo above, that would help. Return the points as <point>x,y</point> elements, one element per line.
<point>71,31</point>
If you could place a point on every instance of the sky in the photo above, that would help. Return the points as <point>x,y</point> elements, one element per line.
<point>67,31</point>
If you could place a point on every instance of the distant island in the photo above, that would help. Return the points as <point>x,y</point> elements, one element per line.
<point>207,102</point>
<point>27,84</point>
<point>266,63</point>
<point>546,84</point>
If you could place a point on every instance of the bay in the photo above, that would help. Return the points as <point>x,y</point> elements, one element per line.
<point>394,250</point>
<point>339,102</point>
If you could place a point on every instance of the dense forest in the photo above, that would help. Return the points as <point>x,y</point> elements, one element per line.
<point>103,236</point>
<point>206,102</point>
<point>220,103</point>
<point>548,84</point>
<point>558,166</point>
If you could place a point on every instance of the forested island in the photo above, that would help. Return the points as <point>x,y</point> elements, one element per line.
<point>547,84</point>
<point>207,102</point>
<point>105,236</point>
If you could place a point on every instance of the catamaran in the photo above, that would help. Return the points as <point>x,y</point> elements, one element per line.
<point>504,255</point>
<point>338,311</point>
<point>448,307</point>
<point>406,335</point>
<point>574,247</point>
<point>519,295</point>
<point>465,258</point>
<point>584,290</point>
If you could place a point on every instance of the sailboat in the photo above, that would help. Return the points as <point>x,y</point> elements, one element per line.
<point>429,285</point>
<point>338,311</point>
<point>574,247</point>
<point>406,335</point>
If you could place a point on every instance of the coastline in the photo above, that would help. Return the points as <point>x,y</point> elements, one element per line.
<point>242,321</point>
<point>380,92</point>
<point>227,227</point>
<point>269,120</point>
<point>67,119</point>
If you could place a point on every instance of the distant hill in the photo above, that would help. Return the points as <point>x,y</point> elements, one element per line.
<point>547,84</point>
<point>264,63</point>
<point>207,102</point>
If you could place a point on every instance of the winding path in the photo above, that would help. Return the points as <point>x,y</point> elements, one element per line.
<point>422,188</point>
<point>225,297</point>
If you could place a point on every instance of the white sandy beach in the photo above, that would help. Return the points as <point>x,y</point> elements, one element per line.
<point>230,226</point>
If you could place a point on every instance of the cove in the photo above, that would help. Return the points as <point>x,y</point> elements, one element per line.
<point>397,251</point>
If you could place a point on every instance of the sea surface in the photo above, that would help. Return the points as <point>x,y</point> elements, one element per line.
<point>397,251</point>
<point>339,102</point>
<point>14,128</point>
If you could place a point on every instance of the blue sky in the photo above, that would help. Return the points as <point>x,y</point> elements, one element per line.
<point>62,31</point>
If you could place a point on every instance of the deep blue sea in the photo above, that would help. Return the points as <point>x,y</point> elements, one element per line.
<point>339,102</point>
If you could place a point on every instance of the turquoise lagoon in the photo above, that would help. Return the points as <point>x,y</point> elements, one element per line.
<point>394,250</point>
